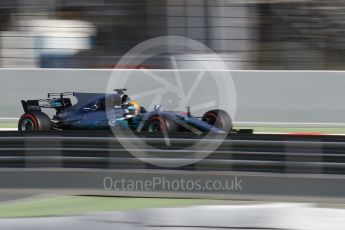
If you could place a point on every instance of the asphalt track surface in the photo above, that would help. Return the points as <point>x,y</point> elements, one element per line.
<point>242,217</point>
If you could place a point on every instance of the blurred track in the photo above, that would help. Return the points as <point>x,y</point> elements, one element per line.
<point>269,167</point>
<point>238,152</point>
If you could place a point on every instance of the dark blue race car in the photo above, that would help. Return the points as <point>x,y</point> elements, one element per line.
<point>104,111</point>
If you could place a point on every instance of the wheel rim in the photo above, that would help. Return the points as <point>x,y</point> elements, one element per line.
<point>27,125</point>
<point>210,119</point>
<point>155,126</point>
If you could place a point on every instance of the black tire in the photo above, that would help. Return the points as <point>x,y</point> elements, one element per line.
<point>219,119</point>
<point>34,121</point>
<point>161,123</point>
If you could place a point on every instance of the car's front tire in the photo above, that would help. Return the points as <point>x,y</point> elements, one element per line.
<point>34,121</point>
<point>160,124</point>
<point>219,119</point>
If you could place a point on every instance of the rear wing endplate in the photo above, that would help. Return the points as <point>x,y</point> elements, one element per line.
<point>31,106</point>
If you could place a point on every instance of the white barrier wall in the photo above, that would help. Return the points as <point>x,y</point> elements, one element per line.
<point>262,96</point>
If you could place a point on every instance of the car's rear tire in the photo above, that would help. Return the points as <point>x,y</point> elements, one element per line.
<point>34,121</point>
<point>160,124</point>
<point>219,119</point>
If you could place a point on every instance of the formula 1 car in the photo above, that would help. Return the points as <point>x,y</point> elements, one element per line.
<point>104,111</point>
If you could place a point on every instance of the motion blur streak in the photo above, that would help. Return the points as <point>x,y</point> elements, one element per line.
<point>248,34</point>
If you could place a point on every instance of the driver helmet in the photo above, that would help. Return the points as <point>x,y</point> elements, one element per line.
<point>134,107</point>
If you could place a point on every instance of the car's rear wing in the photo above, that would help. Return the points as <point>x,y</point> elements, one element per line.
<point>58,101</point>
<point>31,105</point>
<point>61,95</point>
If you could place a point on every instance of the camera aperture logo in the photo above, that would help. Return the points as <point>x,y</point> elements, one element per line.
<point>207,86</point>
<point>165,184</point>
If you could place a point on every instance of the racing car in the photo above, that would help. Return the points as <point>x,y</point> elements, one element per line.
<point>114,110</point>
